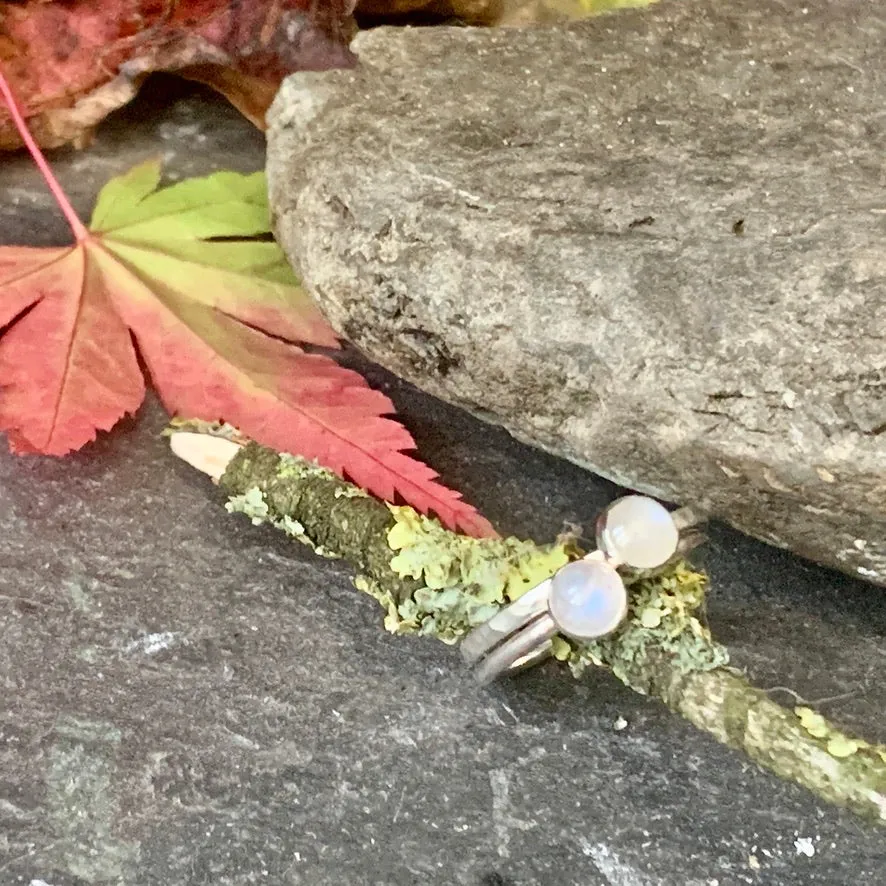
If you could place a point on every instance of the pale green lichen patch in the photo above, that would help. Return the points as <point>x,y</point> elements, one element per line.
<point>445,613</point>
<point>293,467</point>
<point>291,527</point>
<point>350,492</point>
<point>253,504</point>
<point>812,722</point>
<point>386,598</point>
<point>835,742</point>
<point>465,580</point>
<point>840,746</point>
<point>662,626</point>
<point>561,648</point>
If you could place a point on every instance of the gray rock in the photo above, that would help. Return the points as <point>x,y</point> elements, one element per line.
<point>652,243</point>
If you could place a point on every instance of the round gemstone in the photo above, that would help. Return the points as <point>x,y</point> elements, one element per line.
<point>587,599</point>
<point>637,531</point>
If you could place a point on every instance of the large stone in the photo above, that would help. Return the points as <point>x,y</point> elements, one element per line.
<point>653,242</point>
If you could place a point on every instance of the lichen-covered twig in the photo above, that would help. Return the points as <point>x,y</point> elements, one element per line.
<point>434,582</point>
<point>430,581</point>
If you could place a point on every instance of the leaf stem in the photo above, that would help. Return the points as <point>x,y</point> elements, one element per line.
<point>80,231</point>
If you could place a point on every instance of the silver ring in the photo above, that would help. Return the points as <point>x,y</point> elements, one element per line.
<point>634,531</point>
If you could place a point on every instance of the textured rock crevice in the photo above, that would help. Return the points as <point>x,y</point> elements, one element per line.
<point>651,243</point>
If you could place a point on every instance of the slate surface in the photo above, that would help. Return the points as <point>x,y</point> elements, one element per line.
<point>191,700</point>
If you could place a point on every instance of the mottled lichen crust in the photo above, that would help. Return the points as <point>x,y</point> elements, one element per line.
<point>662,630</point>
<point>331,515</point>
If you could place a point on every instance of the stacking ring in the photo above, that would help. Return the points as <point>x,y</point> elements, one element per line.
<point>586,599</point>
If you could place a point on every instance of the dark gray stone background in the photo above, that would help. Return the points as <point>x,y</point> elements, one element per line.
<point>537,225</point>
<point>191,700</point>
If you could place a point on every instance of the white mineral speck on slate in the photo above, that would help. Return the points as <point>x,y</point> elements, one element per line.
<point>615,871</point>
<point>804,846</point>
<point>151,644</point>
<point>620,724</point>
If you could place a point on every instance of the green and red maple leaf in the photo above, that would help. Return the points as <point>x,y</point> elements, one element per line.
<point>181,277</point>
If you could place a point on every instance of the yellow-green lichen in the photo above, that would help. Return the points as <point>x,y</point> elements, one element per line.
<point>840,746</point>
<point>465,580</point>
<point>813,722</point>
<point>561,648</point>
<point>369,586</point>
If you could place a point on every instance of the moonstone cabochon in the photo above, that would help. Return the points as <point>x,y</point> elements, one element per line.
<point>637,531</point>
<point>587,599</point>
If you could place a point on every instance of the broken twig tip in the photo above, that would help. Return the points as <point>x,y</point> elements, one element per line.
<point>206,453</point>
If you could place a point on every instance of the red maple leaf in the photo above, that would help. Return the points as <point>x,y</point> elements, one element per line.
<point>215,322</point>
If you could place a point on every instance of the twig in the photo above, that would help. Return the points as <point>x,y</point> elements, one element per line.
<point>434,582</point>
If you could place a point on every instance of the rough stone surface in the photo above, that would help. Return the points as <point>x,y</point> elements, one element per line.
<point>188,700</point>
<point>651,242</point>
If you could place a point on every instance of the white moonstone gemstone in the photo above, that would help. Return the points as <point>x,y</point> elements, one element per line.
<point>637,531</point>
<point>587,599</point>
